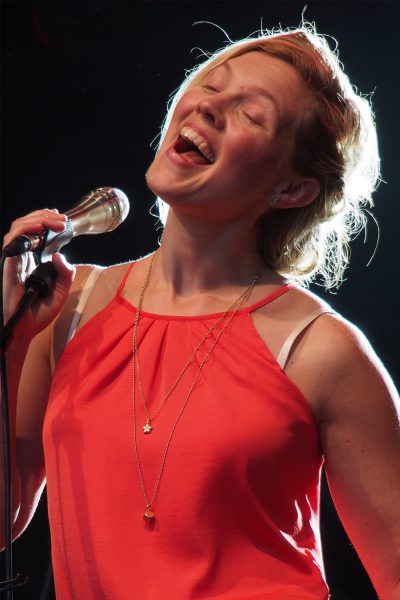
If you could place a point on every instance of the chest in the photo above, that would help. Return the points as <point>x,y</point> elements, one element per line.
<point>223,386</point>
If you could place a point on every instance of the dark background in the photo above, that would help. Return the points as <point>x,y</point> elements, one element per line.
<point>84,90</point>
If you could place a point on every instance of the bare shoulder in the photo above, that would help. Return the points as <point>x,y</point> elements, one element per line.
<point>83,271</point>
<point>342,347</point>
<point>340,373</point>
<point>331,361</point>
<point>100,285</point>
<point>105,278</point>
<point>277,320</point>
<point>330,341</point>
<point>105,282</point>
<point>354,376</point>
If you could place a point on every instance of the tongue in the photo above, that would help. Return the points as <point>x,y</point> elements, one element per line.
<point>196,157</point>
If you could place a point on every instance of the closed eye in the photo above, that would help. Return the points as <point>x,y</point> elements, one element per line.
<point>253,119</point>
<point>210,88</point>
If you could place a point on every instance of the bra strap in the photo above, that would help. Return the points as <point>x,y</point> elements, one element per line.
<point>85,293</point>
<point>83,298</point>
<point>287,346</point>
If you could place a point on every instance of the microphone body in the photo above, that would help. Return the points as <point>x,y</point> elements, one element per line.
<point>99,211</point>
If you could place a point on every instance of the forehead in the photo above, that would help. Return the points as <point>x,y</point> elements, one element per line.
<point>257,69</point>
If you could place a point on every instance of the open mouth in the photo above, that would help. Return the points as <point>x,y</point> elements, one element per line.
<point>194,147</point>
<point>190,151</point>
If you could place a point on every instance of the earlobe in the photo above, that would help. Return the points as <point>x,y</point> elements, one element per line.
<point>298,194</point>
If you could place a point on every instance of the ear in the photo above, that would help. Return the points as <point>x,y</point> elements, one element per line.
<point>296,194</point>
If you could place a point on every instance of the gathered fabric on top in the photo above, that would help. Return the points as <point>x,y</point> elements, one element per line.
<point>237,508</point>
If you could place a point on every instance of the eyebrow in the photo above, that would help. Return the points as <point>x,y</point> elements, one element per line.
<point>253,89</point>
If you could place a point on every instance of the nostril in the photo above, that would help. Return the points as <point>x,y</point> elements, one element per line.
<point>211,113</point>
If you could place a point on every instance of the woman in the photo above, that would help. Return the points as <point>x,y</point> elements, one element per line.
<point>186,423</point>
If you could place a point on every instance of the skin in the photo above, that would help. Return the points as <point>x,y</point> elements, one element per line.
<point>208,257</point>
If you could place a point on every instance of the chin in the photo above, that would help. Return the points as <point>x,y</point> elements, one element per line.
<point>154,179</point>
<point>158,188</point>
<point>165,186</point>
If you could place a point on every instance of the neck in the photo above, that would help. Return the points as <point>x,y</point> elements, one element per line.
<point>196,258</point>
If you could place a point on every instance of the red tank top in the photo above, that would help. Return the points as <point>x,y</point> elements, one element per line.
<point>237,509</point>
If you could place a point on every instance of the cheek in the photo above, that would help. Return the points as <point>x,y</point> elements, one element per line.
<point>248,166</point>
<point>186,105</point>
<point>249,152</point>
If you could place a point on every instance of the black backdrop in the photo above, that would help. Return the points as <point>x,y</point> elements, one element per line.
<point>84,91</point>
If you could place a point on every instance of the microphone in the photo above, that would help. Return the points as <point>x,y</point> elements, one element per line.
<point>99,211</point>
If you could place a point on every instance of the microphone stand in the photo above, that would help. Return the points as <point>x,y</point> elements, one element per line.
<point>37,285</point>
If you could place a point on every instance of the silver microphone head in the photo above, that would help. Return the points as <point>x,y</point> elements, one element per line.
<point>99,211</point>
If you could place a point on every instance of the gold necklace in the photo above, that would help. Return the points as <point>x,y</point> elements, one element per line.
<point>148,428</point>
<point>149,514</point>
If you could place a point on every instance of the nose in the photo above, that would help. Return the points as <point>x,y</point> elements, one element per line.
<point>211,109</point>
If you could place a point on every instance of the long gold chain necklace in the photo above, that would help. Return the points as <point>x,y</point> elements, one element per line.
<point>233,309</point>
<point>148,428</point>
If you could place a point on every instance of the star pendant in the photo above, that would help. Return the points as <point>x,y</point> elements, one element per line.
<point>147,428</point>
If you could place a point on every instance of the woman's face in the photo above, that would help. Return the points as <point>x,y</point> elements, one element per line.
<point>230,139</point>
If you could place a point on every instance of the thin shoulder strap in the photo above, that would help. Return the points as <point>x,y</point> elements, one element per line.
<point>83,298</point>
<point>124,278</point>
<point>287,346</point>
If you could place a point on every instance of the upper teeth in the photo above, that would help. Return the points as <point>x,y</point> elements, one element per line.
<point>198,140</point>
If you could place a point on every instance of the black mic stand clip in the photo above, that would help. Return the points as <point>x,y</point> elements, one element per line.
<point>41,280</point>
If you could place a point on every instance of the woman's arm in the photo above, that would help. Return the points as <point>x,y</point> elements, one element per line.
<point>31,401</point>
<point>360,433</point>
<point>29,380</point>
<point>26,341</point>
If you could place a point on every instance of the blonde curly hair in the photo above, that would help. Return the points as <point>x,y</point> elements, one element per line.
<point>335,142</point>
